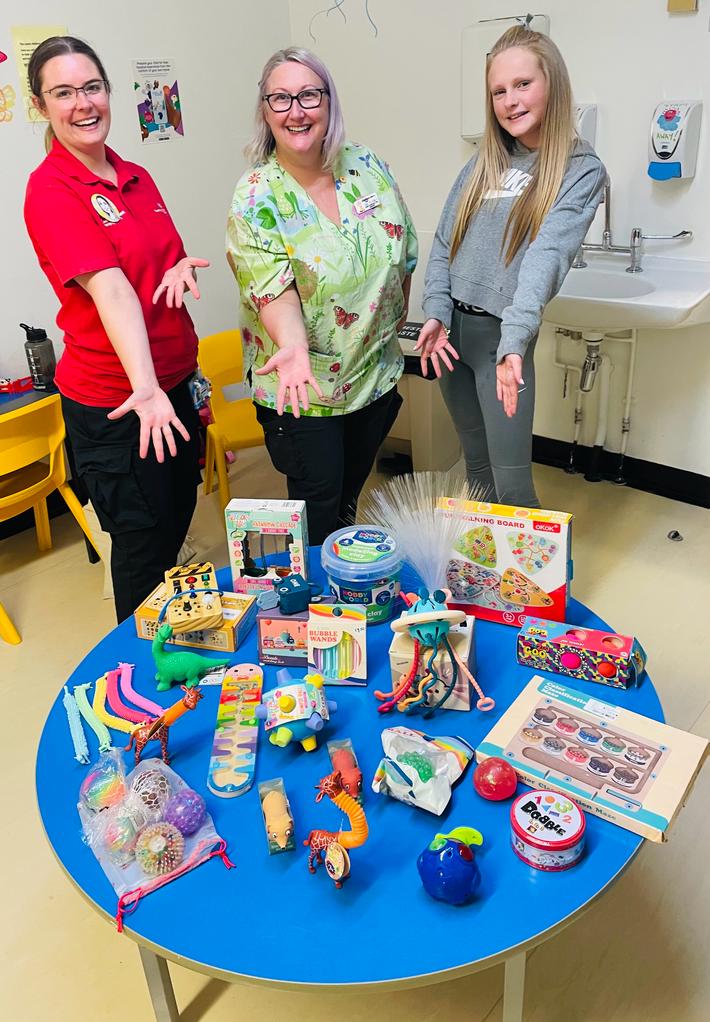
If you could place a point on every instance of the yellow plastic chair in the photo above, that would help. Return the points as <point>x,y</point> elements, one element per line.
<point>235,425</point>
<point>27,435</point>
<point>8,632</point>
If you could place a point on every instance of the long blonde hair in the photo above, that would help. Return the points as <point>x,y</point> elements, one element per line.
<point>557,136</point>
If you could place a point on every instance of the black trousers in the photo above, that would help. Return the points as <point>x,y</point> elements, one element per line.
<point>146,507</point>
<point>326,459</point>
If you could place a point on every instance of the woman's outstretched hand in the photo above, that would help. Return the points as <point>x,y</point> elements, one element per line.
<point>293,365</point>
<point>509,381</point>
<point>433,343</point>
<point>178,279</point>
<point>157,418</point>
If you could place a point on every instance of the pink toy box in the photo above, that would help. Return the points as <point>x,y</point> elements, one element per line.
<point>508,561</point>
<point>584,653</point>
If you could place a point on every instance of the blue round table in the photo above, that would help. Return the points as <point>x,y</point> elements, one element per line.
<point>269,919</point>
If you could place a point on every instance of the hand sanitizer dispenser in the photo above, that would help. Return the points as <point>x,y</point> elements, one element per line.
<point>673,142</point>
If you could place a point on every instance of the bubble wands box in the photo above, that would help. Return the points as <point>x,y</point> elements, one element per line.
<point>585,653</point>
<point>508,562</point>
<point>257,529</point>
<point>617,764</point>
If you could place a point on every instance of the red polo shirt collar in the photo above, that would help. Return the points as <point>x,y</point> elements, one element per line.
<point>71,165</point>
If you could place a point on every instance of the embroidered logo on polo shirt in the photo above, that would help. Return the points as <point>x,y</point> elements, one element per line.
<point>106,209</point>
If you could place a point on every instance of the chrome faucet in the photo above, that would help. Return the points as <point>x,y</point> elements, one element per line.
<point>635,247</point>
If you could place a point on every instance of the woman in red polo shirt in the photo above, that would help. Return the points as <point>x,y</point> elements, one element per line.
<point>112,254</point>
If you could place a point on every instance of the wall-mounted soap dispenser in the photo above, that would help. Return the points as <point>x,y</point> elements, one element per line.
<point>585,116</point>
<point>673,141</point>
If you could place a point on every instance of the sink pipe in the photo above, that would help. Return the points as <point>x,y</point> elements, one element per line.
<point>596,364</point>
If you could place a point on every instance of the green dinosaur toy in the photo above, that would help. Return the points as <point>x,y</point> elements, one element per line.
<point>179,665</point>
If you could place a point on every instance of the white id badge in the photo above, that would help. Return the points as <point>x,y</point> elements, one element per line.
<point>365,203</point>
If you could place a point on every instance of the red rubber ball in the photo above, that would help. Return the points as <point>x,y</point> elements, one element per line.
<point>495,779</point>
<point>606,670</point>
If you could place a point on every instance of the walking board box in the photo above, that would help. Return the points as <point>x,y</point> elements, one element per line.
<point>617,764</point>
<point>509,562</point>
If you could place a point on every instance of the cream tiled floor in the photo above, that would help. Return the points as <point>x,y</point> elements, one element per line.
<point>639,955</point>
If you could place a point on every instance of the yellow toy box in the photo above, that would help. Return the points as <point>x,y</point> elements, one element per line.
<point>239,614</point>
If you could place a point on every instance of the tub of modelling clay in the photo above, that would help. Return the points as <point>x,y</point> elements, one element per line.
<point>363,566</point>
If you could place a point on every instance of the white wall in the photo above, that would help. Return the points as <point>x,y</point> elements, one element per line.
<point>219,49</point>
<point>400,90</point>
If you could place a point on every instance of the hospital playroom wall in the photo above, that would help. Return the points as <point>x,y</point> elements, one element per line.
<point>219,49</point>
<point>400,91</point>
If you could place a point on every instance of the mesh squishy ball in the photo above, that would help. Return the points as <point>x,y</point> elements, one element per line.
<point>159,849</point>
<point>186,811</point>
<point>153,790</point>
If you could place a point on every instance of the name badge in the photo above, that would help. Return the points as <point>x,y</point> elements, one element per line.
<point>365,203</point>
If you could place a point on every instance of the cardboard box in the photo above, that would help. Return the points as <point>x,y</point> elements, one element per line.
<point>282,638</point>
<point>239,615</point>
<point>337,642</point>
<point>461,638</point>
<point>616,764</point>
<point>509,562</point>
<point>257,529</point>
<point>584,653</point>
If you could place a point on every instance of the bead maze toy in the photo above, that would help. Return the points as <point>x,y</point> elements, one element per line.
<point>233,759</point>
<point>616,764</point>
<point>179,665</point>
<point>278,819</point>
<point>248,522</point>
<point>320,841</point>
<point>157,730</point>
<point>427,620</point>
<point>238,612</point>
<point>447,867</point>
<point>295,712</point>
<point>585,653</point>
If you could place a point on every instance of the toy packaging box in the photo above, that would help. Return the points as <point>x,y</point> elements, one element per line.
<point>617,764</point>
<point>509,561</point>
<point>282,638</point>
<point>239,613</point>
<point>257,529</point>
<point>461,637</point>
<point>584,653</point>
<point>337,645</point>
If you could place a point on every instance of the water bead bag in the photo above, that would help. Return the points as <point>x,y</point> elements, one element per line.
<point>145,828</point>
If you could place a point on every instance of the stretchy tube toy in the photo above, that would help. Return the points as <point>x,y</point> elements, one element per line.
<point>99,729</point>
<point>81,749</point>
<point>129,693</point>
<point>116,704</point>
<point>99,707</point>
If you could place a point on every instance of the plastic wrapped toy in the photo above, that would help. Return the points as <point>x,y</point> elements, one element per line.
<point>419,769</point>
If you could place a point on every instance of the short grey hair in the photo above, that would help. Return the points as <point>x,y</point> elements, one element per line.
<point>262,143</point>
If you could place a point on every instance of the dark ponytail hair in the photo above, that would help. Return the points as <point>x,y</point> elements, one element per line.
<point>57,46</point>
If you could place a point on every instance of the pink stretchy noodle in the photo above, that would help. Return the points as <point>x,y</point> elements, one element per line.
<point>127,690</point>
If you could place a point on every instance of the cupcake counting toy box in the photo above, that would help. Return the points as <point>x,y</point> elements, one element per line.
<point>509,562</point>
<point>622,766</point>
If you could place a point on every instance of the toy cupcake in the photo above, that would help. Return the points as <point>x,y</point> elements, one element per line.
<point>566,725</point>
<point>625,776</point>
<point>553,745</point>
<point>589,735</point>
<point>544,715</point>
<point>635,754</point>
<point>599,766</point>
<point>576,756</point>
<point>614,745</point>
<point>531,734</point>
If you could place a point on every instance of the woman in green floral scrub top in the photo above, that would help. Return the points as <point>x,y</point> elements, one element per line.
<point>323,248</point>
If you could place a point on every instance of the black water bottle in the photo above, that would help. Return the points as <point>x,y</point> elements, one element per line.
<point>40,357</point>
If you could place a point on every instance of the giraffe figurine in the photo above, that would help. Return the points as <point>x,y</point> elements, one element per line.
<point>157,730</point>
<point>335,844</point>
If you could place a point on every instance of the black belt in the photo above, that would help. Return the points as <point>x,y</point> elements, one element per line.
<point>469,310</point>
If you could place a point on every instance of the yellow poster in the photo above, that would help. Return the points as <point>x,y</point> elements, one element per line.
<point>25,40</point>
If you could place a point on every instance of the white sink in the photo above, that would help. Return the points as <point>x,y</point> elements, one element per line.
<point>668,293</point>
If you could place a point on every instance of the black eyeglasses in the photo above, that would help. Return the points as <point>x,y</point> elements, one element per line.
<point>308,99</point>
<point>69,94</point>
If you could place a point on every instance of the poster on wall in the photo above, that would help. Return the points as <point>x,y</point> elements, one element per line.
<point>25,40</point>
<point>7,97</point>
<point>157,99</point>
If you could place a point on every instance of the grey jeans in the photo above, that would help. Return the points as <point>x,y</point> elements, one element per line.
<point>497,450</point>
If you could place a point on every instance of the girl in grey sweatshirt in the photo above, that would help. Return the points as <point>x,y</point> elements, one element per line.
<point>507,236</point>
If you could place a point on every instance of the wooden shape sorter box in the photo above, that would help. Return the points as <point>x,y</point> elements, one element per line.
<point>619,765</point>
